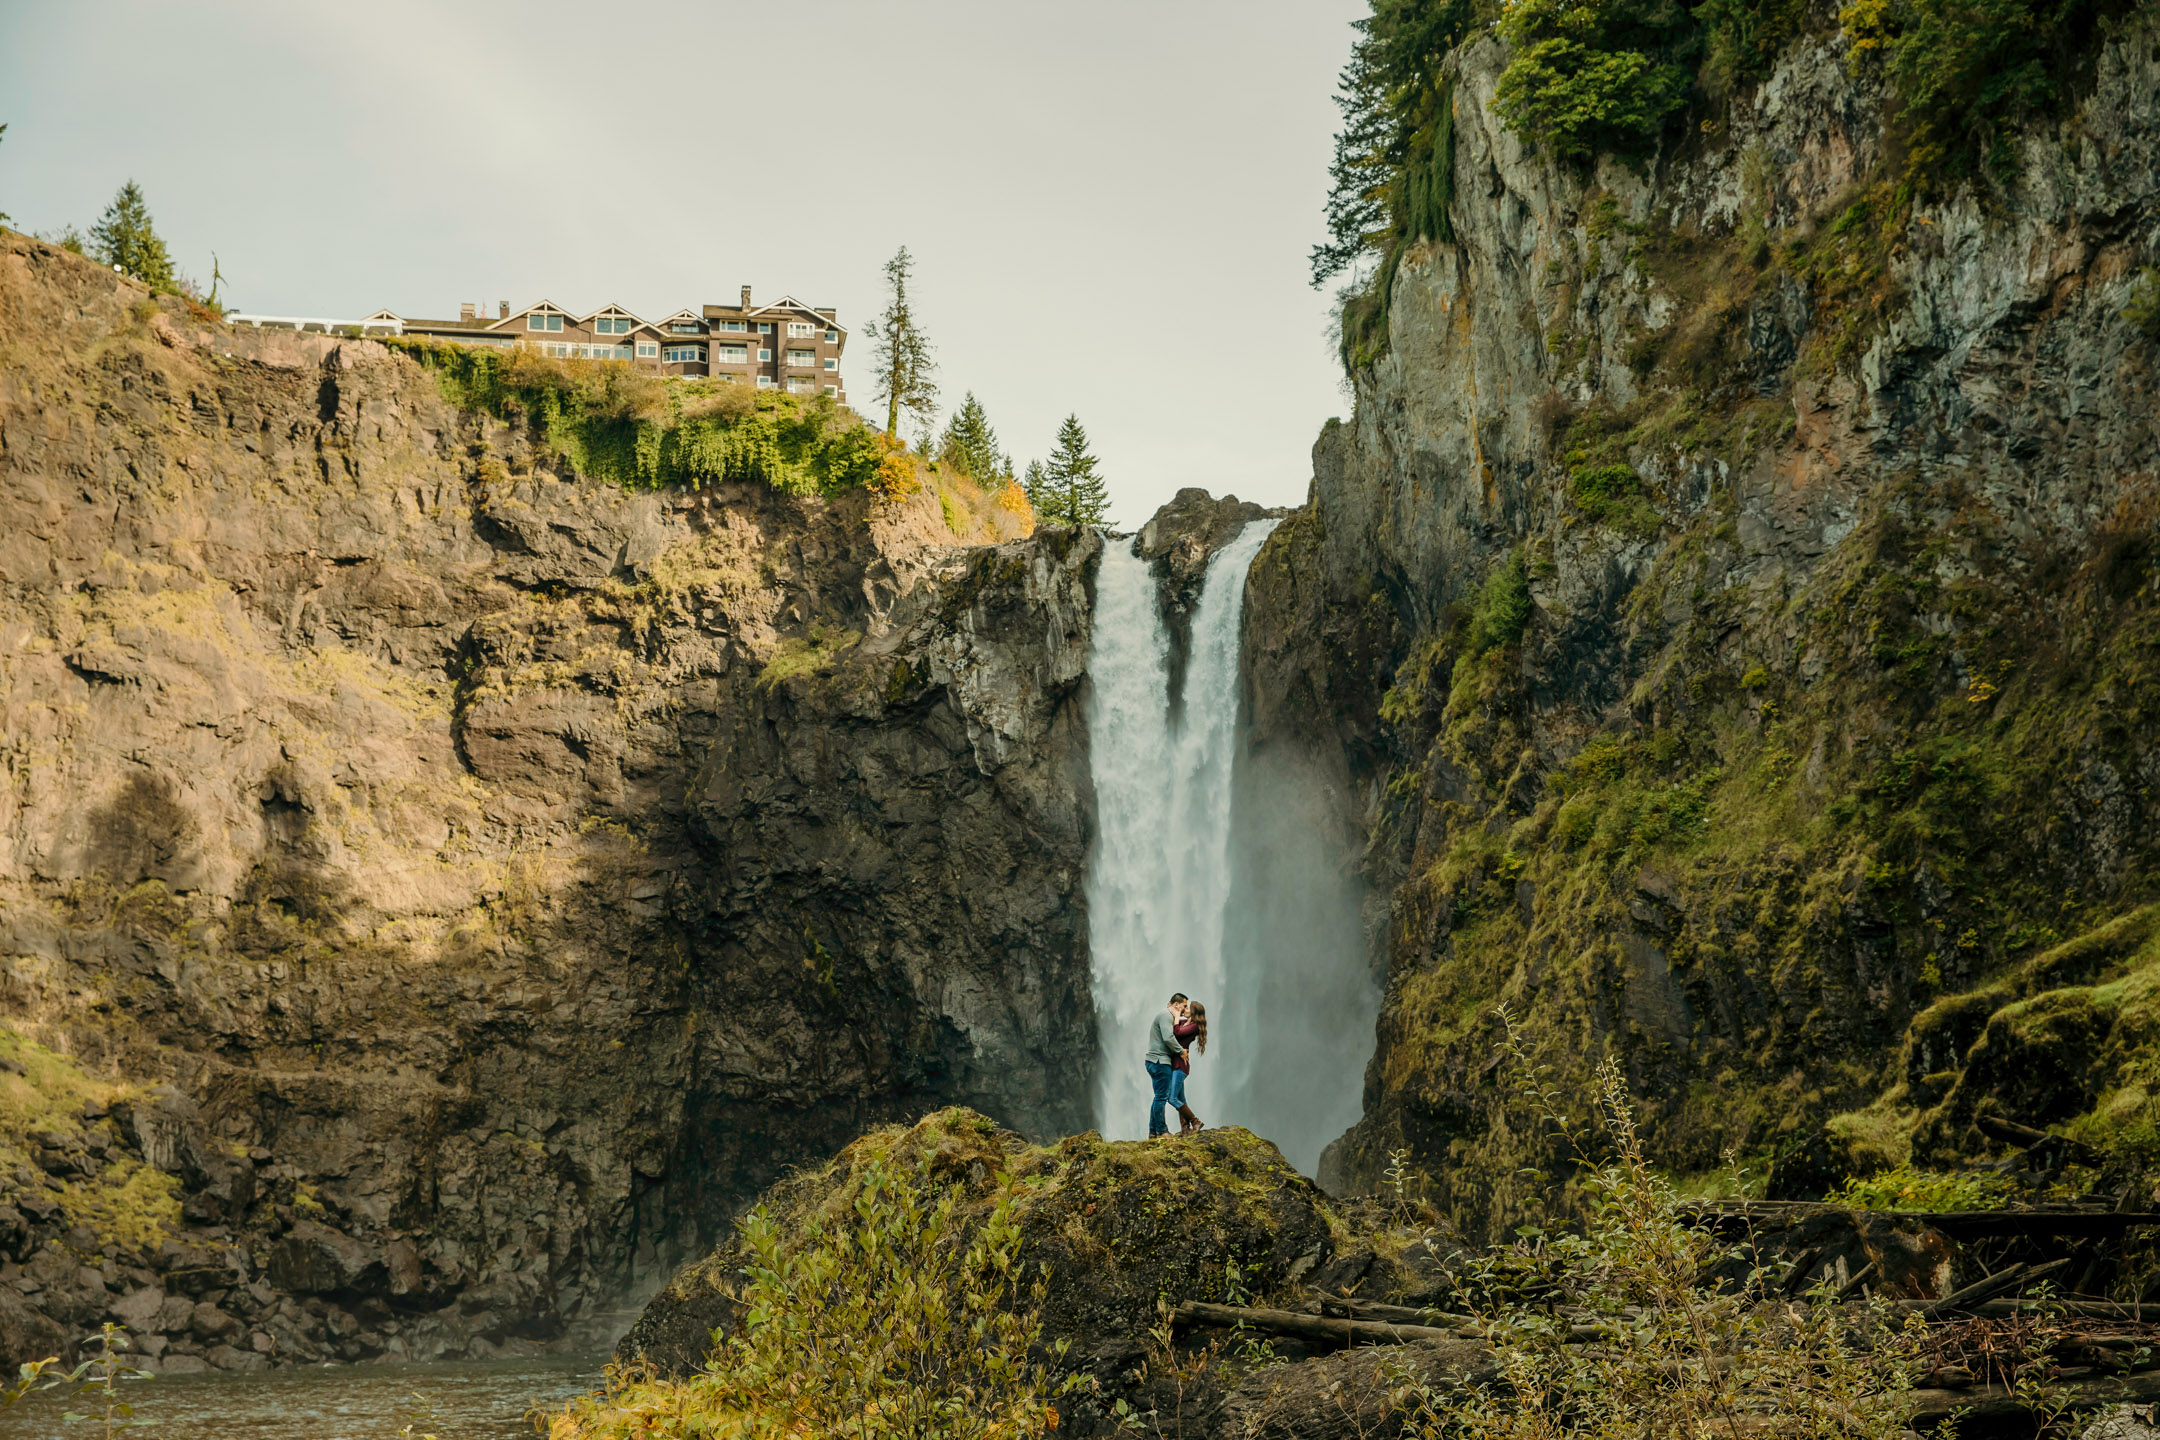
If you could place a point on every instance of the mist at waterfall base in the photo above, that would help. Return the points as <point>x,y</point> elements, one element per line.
<point>1217,872</point>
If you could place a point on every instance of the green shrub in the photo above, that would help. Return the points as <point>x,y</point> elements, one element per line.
<point>1684,1351</point>
<point>2143,307</point>
<point>644,431</point>
<point>1904,1188</point>
<point>895,1320</point>
<point>1590,76</point>
<point>1967,72</point>
<point>1503,608</point>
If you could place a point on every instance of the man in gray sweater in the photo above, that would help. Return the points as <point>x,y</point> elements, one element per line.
<point>1163,1051</point>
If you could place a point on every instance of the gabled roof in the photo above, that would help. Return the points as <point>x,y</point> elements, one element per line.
<point>546,307</point>
<point>789,302</point>
<point>387,315</point>
<point>690,315</point>
<point>610,310</point>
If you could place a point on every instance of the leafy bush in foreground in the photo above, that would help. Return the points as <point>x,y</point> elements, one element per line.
<point>646,431</point>
<point>899,1319</point>
<point>1683,1348</point>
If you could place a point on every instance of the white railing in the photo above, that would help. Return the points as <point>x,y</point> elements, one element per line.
<point>316,323</point>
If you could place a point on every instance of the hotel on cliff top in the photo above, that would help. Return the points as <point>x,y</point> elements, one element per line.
<point>785,345</point>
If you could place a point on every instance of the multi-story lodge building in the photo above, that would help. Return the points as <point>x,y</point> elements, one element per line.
<point>785,345</point>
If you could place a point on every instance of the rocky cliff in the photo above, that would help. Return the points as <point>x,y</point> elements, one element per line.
<point>1733,607</point>
<point>436,889</point>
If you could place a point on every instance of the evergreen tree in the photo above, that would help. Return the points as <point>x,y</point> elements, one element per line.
<point>971,446</point>
<point>125,239</point>
<point>902,366</point>
<point>1036,487</point>
<point>1073,494</point>
<point>1394,154</point>
<point>4,220</point>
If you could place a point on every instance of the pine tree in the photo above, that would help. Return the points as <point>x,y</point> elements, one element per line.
<point>903,368</point>
<point>1036,487</point>
<point>971,446</point>
<point>1073,494</point>
<point>125,239</point>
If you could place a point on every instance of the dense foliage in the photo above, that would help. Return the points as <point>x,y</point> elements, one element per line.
<point>1596,76</point>
<point>1968,72</point>
<point>616,423</point>
<point>896,1317</point>
<point>1684,1349</point>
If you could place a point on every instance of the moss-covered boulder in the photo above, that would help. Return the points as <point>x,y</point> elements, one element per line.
<point>1115,1226</point>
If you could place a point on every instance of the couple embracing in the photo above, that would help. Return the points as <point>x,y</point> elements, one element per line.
<point>1169,1060</point>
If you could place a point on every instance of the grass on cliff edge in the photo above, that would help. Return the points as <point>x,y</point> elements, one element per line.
<point>646,432</point>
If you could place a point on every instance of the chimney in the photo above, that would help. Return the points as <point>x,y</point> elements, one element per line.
<point>746,297</point>
<point>465,312</point>
<point>503,310</point>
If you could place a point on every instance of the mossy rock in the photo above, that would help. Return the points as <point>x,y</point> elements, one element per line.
<point>1115,1225</point>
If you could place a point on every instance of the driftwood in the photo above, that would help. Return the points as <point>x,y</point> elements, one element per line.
<point>2051,1146</point>
<point>1393,1314</point>
<point>1991,1402</point>
<point>1732,1217</point>
<point>1327,1328</point>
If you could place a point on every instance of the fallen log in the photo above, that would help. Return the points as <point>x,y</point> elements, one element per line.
<point>1326,1328</point>
<point>2025,1137</point>
<point>1393,1314</point>
<point>1981,1291</point>
<point>2071,1221</point>
<point>1995,1402</point>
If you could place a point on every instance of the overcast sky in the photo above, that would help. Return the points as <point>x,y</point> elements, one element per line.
<point>1110,203</point>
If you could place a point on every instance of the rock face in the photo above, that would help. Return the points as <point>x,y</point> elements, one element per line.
<point>435,890</point>
<point>1734,604</point>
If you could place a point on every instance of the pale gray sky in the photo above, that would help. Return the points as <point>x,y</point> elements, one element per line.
<point>1110,202</point>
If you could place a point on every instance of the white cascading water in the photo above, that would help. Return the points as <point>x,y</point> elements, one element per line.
<point>1180,846</point>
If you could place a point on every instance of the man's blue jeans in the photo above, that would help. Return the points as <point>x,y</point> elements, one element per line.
<point>1158,1075</point>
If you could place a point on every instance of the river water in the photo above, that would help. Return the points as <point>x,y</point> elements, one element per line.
<point>1214,871</point>
<point>473,1401</point>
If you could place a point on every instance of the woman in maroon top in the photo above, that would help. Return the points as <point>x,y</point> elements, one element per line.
<point>1191,1032</point>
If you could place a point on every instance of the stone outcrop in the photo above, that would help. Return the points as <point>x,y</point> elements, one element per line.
<point>436,890</point>
<point>1112,1228</point>
<point>1732,602</point>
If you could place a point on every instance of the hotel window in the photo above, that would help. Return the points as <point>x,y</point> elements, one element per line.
<point>733,327</point>
<point>832,390</point>
<point>682,327</point>
<point>799,385</point>
<point>831,363</point>
<point>764,327</point>
<point>797,330</point>
<point>731,354</point>
<point>764,355</point>
<point>832,337</point>
<point>612,325</point>
<point>764,382</point>
<point>683,354</point>
<point>611,352</point>
<point>543,322</point>
<point>802,359</point>
<point>646,349</point>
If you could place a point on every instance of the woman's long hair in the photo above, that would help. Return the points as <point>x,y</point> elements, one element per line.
<point>1197,1013</point>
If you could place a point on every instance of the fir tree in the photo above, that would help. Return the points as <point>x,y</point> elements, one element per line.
<point>971,446</point>
<point>903,368</point>
<point>1073,494</point>
<point>125,239</point>
<point>1036,487</point>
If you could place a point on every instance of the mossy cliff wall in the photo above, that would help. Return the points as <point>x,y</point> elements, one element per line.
<point>438,888</point>
<point>1731,614</point>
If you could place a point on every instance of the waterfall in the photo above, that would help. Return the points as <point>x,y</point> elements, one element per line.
<point>1188,851</point>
